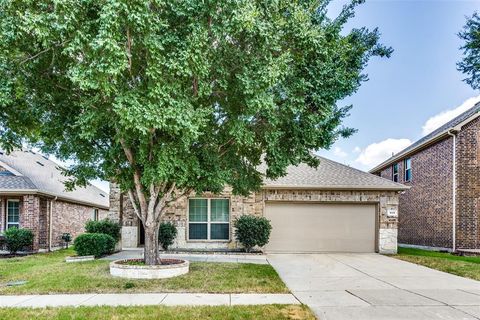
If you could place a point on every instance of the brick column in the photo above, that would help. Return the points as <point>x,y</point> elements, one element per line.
<point>29,217</point>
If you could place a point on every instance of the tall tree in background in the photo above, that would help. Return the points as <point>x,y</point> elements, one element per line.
<point>470,64</point>
<point>167,98</point>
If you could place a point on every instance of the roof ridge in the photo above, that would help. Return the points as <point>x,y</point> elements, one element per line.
<point>358,170</point>
<point>431,135</point>
<point>46,175</point>
<point>57,165</point>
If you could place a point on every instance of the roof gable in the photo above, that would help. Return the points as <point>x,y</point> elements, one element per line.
<point>438,133</point>
<point>36,172</point>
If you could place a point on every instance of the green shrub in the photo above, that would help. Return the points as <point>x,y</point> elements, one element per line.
<point>94,244</point>
<point>17,239</point>
<point>166,234</point>
<point>252,231</point>
<point>105,226</point>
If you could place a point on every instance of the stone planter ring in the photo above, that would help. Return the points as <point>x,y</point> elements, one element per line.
<point>126,268</point>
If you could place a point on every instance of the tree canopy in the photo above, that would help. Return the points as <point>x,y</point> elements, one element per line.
<point>166,97</point>
<point>470,64</point>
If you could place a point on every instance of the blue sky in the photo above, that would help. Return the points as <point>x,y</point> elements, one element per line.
<point>418,86</point>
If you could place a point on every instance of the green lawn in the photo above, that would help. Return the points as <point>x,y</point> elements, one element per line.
<point>48,273</point>
<point>268,312</point>
<point>468,267</point>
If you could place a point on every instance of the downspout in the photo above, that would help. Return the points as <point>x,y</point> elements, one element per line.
<point>50,225</point>
<point>454,190</point>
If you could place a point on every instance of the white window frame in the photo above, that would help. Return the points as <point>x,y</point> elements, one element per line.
<point>407,160</point>
<point>209,222</point>
<point>7,223</point>
<point>393,172</point>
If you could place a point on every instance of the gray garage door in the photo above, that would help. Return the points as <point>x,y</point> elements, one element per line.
<point>299,227</point>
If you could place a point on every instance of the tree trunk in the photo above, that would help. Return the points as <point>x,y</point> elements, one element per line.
<point>151,253</point>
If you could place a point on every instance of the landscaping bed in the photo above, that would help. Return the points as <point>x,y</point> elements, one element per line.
<point>266,312</point>
<point>137,269</point>
<point>468,267</point>
<point>49,273</point>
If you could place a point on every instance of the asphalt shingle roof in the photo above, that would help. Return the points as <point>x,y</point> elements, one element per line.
<point>447,126</point>
<point>16,183</point>
<point>331,175</point>
<point>43,175</point>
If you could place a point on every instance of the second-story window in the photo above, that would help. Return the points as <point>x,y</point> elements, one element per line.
<point>408,169</point>
<point>395,172</point>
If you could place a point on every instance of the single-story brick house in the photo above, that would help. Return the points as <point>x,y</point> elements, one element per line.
<point>33,196</point>
<point>333,208</point>
<point>442,208</point>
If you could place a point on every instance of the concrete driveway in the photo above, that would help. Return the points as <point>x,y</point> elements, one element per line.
<point>372,286</point>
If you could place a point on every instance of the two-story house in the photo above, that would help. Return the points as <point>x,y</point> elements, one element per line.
<point>442,207</point>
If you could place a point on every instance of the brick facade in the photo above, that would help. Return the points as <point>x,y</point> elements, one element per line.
<point>70,218</point>
<point>426,210</point>
<point>35,215</point>
<point>254,204</point>
<point>468,186</point>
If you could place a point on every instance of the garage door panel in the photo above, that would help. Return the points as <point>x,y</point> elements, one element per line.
<point>298,227</point>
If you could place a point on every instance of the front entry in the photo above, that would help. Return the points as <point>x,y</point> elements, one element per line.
<point>141,233</point>
<point>320,227</point>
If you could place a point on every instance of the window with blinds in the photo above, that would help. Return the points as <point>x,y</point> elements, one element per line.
<point>208,219</point>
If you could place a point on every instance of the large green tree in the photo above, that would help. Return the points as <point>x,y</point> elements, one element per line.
<point>167,98</point>
<point>470,64</point>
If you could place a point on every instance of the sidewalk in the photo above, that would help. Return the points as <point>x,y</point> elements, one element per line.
<point>145,299</point>
<point>198,257</point>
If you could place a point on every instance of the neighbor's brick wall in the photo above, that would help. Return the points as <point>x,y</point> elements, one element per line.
<point>30,218</point>
<point>387,173</point>
<point>425,210</point>
<point>43,220</point>
<point>468,186</point>
<point>70,218</point>
<point>35,215</point>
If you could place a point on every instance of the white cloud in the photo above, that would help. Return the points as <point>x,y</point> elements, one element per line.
<point>376,153</point>
<point>337,151</point>
<point>357,149</point>
<point>443,117</point>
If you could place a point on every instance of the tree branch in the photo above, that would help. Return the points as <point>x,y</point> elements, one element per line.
<point>42,52</point>
<point>153,199</point>
<point>134,204</point>
<point>163,201</point>
<point>129,51</point>
<point>136,177</point>
<point>167,203</point>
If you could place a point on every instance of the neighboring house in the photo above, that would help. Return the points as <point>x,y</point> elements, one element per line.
<point>32,196</point>
<point>442,208</point>
<point>334,208</point>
